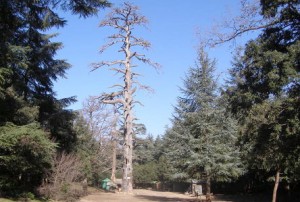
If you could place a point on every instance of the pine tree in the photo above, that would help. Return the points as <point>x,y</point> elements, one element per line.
<point>28,64</point>
<point>201,143</point>
<point>265,92</point>
<point>28,68</point>
<point>25,155</point>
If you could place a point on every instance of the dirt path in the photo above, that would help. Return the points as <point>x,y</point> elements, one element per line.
<point>137,196</point>
<point>144,195</point>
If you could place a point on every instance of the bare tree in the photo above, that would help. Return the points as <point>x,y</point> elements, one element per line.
<point>102,122</point>
<point>66,171</point>
<point>250,19</point>
<point>123,20</point>
<point>99,117</point>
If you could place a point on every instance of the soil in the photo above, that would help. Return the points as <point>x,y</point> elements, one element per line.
<point>143,195</point>
<point>139,195</point>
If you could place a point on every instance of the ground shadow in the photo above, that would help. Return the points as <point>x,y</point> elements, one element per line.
<point>165,198</point>
<point>242,198</point>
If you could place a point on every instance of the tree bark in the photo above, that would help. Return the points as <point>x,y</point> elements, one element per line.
<point>277,176</point>
<point>114,160</point>
<point>127,166</point>
<point>114,146</point>
<point>124,19</point>
<point>208,184</point>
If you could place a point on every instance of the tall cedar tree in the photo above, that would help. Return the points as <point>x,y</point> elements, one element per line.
<point>265,93</point>
<point>124,20</point>
<point>27,63</point>
<point>28,70</point>
<point>201,143</point>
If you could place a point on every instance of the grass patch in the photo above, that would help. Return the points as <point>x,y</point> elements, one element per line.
<point>5,200</point>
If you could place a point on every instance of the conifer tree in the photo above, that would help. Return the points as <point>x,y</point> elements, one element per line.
<point>28,68</point>
<point>28,63</point>
<point>265,92</point>
<point>201,142</point>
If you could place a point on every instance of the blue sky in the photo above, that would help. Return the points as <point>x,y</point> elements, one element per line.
<point>172,31</point>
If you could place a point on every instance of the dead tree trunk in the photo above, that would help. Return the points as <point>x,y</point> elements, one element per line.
<point>124,19</point>
<point>114,160</point>
<point>114,146</point>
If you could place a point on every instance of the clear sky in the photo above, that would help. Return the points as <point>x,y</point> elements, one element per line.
<point>173,27</point>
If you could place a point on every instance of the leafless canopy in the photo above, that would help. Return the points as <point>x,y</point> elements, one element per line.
<point>124,20</point>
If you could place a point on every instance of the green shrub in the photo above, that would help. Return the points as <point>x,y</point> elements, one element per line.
<point>25,155</point>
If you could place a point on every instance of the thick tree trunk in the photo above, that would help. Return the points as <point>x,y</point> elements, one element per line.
<point>277,176</point>
<point>124,19</point>
<point>128,113</point>
<point>127,164</point>
<point>208,191</point>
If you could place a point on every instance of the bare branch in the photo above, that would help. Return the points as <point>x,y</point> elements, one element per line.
<point>140,42</point>
<point>118,70</point>
<point>116,101</point>
<point>110,96</point>
<point>108,63</point>
<point>125,19</point>
<point>136,74</point>
<point>249,20</point>
<point>145,60</point>
<point>117,85</point>
<point>111,43</point>
<point>137,102</point>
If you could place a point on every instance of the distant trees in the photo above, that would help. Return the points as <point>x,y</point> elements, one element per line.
<point>201,144</point>
<point>97,140</point>
<point>149,163</point>
<point>124,20</point>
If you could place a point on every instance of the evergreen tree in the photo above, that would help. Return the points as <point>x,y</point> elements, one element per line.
<point>265,92</point>
<point>28,65</point>
<point>28,69</point>
<point>201,143</point>
<point>25,155</point>
<point>144,150</point>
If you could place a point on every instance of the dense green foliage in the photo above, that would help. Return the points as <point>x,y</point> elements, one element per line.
<point>202,141</point>
<point>27,63</point>
<point>95,154</point>
<point>264,93</point>
<point>25,154</point>
<point>150,163</point>
<point>28,68</point>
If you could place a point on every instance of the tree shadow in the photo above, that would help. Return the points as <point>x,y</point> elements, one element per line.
<point>165,198</point>
<point>242,198</point>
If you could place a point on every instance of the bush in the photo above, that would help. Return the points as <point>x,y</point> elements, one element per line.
<point>61,182</point>
<point>25,156</point>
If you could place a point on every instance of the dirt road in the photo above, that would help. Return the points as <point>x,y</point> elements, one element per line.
<point>137,196</point>
<point>143,195</point>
